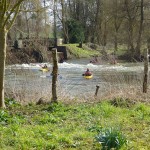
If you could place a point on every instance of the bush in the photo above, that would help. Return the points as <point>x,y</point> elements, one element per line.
<point>111,138</point>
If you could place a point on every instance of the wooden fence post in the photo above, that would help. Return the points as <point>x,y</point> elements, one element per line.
<point>54,75</point>
<point>97,88</point>
<point>145,79</point>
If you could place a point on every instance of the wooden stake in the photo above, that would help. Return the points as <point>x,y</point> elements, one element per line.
<point>145,79</point>
<point>54,75</point>
<point>97,88</point>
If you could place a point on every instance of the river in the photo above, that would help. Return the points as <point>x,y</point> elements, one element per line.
<point>25,82</point>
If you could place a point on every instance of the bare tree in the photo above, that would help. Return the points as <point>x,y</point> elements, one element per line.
<point>8,13</point>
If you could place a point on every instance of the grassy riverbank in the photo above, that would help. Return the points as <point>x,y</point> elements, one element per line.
<point>75,51</point>
<point>66,126</point>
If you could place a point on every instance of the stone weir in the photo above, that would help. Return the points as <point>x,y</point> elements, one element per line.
<point>60,49</point>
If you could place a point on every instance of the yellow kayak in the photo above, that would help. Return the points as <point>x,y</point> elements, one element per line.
<point>88,77</point>
<point>44,69</point>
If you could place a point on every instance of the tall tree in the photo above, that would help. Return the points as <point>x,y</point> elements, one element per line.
<point>63,20</point>
<point>117,19</point>
<point>131,15</point>
<point>138,46</point>
<point>8,12</point>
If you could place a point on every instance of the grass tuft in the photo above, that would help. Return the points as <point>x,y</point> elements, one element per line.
<point>122,102</point>
<point>111,138</point>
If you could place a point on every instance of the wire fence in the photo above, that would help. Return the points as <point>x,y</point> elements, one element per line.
<point>26,86</point>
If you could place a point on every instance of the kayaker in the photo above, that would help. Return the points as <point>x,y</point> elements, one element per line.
<point>45,66</point>
<point>87,73</point>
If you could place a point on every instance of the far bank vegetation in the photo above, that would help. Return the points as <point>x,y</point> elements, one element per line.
<point>119,27</point>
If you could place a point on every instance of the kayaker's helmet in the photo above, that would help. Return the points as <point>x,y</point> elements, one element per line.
<point>87,69</point>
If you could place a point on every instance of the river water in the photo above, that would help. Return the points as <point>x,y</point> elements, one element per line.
<point>25,82</point>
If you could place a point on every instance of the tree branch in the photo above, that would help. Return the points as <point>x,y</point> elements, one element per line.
<point>12,21</point>
<point>13,11</point>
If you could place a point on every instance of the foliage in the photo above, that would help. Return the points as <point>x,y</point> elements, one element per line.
<point>111,138</point>
<point>7,118</point>
<point>75,31</point>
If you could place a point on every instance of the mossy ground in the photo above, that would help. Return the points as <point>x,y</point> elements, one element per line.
<point>66,126</point>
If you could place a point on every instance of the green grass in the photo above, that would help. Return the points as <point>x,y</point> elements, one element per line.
<point>68,127</point>
<point>80,52</point>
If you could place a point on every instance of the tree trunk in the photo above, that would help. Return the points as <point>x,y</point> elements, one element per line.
<point>116,27</point>
<point>138,46</point>
<point>54,75</point>
<point>97,28</point>
<point>116,42</point>
<point>130,34</point>
<point>55,28</point>
<point>3,34</point>
<point>145,80</point>
<point>65,30</point>
<point>105,34</point>
<point>131,19</point>
<point>148,45</point>
<point>27,25</point>
<point>6,22</point>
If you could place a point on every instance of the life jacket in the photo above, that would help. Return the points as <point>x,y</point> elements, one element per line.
<point>87,73</point>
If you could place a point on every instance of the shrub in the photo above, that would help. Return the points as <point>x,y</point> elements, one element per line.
<point>122,102</point>
<point>10,102</point>
<point>111,138</point>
